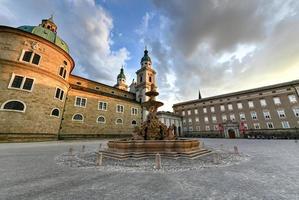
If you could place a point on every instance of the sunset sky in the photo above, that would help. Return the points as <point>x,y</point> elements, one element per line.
<point>217,46</point>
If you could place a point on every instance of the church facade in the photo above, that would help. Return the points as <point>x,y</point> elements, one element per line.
<point>40,98</point>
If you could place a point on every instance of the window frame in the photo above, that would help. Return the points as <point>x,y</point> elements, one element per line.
<point>55,115</point>
<point>104,102</point>
<point>31,58</point>
<point>292,95</point>
<point>122,121</point>
<point>134,109</point>
<point>97,120</point>
<point>75,120</point>
<point>250,104</point>
<point>64,73</point>
<point>278,102</point>
<point>123,110</point>
<point>59,94</point>
<point>283,123</point>
<point>267,123</point>
<point>22,84</point>
<point>134,120</point>
<point>265,116</point>
<point>10,110</point>
<point>80,106</point>
<point>283,112</point>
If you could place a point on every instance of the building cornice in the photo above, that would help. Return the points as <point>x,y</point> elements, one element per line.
<point>255,90</point>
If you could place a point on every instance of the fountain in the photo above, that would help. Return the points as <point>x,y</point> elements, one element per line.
<point>153,137</point>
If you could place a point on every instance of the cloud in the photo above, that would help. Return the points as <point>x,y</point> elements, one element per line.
<point>84,25</point>
<point>220,46</point>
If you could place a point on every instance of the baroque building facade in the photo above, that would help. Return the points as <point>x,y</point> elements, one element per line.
<point>268,109</point>
<point>42,100</point>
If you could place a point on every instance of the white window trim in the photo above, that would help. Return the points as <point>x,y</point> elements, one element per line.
<point>134,124</point>
<point>254,115</point>
<point>264,100</point>
<point>59,95</point>
<point>244,116</point>
<point>294,111</point>
<point>277,103</point>
<point>9,110</point>
<point>287,123</point>
<point>103,102</point>
<point>265,116</point>
<point>64,67</point>
<point>22,84</point>
<point>132,108</point>
<point>270,123</point>
<point>249,106</point>
<point>239,107</point>
<point>30,62</point>
<point>55,115</point>
<point>80,102</point>
<point>101,122</point>
<point>292,102</point>
<point>122,121</point>
<point>75,120</point>
<point>122,106</point>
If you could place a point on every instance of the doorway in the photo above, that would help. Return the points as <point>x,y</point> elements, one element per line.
<point>231,133</point>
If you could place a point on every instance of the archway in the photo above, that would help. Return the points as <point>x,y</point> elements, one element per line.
<point>231,133</point>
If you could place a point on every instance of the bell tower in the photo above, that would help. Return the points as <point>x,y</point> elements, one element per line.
<point>121,80</point>
<point>146,76</point>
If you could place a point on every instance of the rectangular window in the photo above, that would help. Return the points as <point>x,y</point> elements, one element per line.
<point>267,114</point>
<point>242,117</point>
<point>214,119</point>
<point>197,119</point>
<point>281,113</point>
<point>59,93</point>
<point>206,119</point>
<point>292,98</point>
<point>285,124</point>
<point>195,111</point>
<point>134,111</point>
<point>263,102</point>
<point>232,117</point>
<point>189,112</point>
<point>212,109</point>
<point>204,110</point>
<point>270,125</point>
<point>253,115</point>
<point>239,105</point>
<point>183,113</point>
<point>62,72</point>
<point>215,127</point>
<point>190,128</point>
<point>256,126</point>
<point>197,128</point>
<point>222,108</point>
<point>184,122</point>
<point>230,106</point>
<point>190,121</point>
<point>31,57</point>
<point>224,118</point>
<point>21,82</point>
<point>80,102</point>
<point>250,104</point>
<point>102,105</point>
<point>296,112</point>
<point>119,108</point>
<point>276,100</point>
<point>207,127</point>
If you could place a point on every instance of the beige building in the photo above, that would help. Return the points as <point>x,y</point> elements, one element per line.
<point>171,119</point>
<point>266,109</point>
<point>40,99</point>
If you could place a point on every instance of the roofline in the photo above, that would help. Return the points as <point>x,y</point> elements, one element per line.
<point>41,39</point>
<point>168,113</point>
<point>76,76</point>
<point>290,83</point>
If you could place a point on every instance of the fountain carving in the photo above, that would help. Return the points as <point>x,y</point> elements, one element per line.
<point>153,137</point>
<point>152,128</point>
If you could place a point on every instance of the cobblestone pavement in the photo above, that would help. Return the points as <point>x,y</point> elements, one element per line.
<point>31,171</point>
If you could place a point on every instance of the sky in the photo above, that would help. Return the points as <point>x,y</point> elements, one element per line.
<point>215,46</point>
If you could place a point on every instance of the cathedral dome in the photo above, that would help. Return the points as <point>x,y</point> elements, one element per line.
<point>47,30</point>
<point>146,57</point>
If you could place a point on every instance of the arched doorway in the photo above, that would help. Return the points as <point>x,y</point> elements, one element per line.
<point>231,133</point>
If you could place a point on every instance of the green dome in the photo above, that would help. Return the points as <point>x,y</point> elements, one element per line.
<point>121,74</point>
<point>46,34</point>
<point>145,57</point>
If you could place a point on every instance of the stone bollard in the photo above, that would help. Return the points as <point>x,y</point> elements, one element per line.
<point>71,151</point>
<point>100,146</point>
<point>83,148</point>
<point>99,160</point>
<point>203,144</point>
<point>236,150</point>
<point>158,161</point>
<point>215,158</point>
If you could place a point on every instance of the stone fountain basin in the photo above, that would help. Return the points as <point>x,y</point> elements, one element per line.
<point>154,146</point>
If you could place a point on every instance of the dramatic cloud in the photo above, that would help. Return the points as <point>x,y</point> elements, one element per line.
<point>223,46</point>
<point>85,26</point>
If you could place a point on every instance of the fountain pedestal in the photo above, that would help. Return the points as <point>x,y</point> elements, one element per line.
<point>154,137</point>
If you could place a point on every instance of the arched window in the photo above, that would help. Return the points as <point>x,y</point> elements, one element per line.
<point>119,121</point>
<point>78,117</point>
<point>55,112</point>
<point>14,105</point>
<point>101,120</point>
<point>134,123</point>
